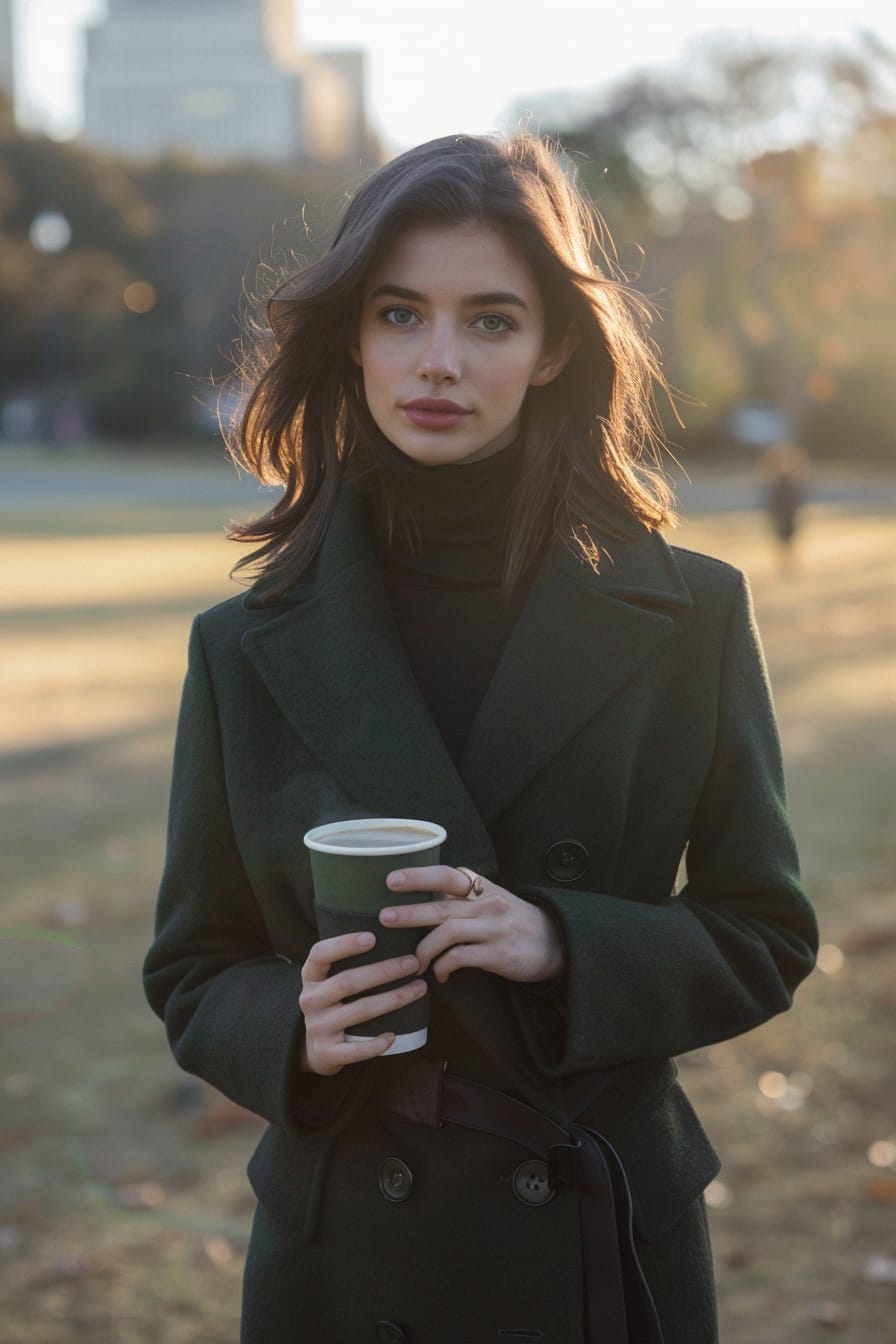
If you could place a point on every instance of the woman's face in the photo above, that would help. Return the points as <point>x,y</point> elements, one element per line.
<point>451,335</point>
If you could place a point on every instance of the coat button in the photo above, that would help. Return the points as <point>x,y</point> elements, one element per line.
<point>396,1181</point>
<point>530,1183</point>
<point>565,860</point>
<point>387,1332</point>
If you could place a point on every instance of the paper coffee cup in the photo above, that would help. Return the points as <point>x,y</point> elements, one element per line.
<point>350,861</point>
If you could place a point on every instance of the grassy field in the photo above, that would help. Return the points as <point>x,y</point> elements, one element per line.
<point>123,1203</point>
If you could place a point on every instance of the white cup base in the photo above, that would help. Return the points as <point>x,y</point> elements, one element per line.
<point>409,1040</point>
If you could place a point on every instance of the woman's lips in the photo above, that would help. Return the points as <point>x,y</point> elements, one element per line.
<point>435,413</point>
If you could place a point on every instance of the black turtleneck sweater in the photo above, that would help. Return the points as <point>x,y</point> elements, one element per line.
<point>443,581</point>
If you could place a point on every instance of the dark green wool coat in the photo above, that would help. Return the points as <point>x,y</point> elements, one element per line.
<point>630,715</point>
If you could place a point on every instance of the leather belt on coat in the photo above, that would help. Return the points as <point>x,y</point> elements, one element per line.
<point>618,1307</point>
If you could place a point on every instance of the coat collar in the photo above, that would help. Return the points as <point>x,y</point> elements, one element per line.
<point>332,659</point>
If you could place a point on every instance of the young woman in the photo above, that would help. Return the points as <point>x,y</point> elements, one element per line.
<point>464,612</point>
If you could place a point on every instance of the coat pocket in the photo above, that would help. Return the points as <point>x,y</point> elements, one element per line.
<point>668,1160</point>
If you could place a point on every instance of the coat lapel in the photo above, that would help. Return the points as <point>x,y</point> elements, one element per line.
<point>333,661</point>
<point>580,638</point>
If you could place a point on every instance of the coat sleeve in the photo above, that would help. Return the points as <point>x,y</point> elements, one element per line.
<point>230,1004</point>
<point>726,952</point>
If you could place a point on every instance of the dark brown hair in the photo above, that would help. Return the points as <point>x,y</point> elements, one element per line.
<point>592,437</point>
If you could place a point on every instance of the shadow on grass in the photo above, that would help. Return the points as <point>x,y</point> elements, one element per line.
<point>69,617</point>
<point>78,752</point>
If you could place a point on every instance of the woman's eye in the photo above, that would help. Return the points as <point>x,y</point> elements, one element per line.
<point>400,317</point>
<point>493,322</point>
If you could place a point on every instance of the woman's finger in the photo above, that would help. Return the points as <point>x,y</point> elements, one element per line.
<point>462,955</point>
<point>325,1028</point>
<point>429,913</point>
<point>350,1015</point>
<point>319,995</point>
<point>329,950</point>
<point>334,1055</point>
<point>437,877</point>
<point>451,934</point>
<point>360,979</point>
<point>344,1053</point>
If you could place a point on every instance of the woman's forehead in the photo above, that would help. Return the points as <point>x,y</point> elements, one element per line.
<point>473,255</point>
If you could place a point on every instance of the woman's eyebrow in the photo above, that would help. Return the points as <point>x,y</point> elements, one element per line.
<point>498,296</point>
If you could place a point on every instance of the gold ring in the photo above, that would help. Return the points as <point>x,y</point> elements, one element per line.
<point>475,881</point>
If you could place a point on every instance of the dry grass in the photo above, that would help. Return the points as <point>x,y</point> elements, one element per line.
<point>94,630</point>
<point>803,1223</point>
<point>124,1203</point>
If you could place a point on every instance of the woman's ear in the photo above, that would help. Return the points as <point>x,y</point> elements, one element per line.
<point>555,358</point>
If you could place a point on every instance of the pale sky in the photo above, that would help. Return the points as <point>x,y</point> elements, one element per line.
<point>434,69</point>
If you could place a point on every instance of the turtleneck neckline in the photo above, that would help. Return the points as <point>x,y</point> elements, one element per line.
<point>451,529</point>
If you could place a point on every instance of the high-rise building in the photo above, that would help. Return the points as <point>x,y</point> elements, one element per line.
<point>7,63</point>
<point>221,79</point>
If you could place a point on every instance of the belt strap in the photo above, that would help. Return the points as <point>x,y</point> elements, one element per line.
<point>618,1306</point>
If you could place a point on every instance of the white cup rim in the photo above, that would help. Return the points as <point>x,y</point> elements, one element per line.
<point>316,838</point>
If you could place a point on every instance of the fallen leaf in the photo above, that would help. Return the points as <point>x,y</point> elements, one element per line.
<point>218,1251</point>
<point>881,1189</point>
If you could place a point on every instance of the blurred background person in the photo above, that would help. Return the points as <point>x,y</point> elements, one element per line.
<point>785,473</point>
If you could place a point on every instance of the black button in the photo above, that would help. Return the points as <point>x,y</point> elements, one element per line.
<point>530,1183</point>
<point>565,860</point>
<point>387,1332</point>
<point>396,1181</point>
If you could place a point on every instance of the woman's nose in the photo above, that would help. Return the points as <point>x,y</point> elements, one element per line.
<point>440,357</point>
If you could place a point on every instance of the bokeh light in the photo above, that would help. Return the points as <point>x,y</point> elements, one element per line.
<point>717,1195</point>
<point>788,1092</point>
<point>50,232</point>
<point>140,296</point>
<point>773,1085</point>
<point>830,959</point>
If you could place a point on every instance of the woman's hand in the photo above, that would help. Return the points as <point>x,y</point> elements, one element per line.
<point>495,932</point>
<point>327,1017</point>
